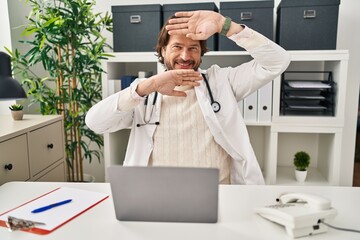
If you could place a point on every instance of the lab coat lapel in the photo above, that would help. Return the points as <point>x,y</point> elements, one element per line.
<point>213,122</point>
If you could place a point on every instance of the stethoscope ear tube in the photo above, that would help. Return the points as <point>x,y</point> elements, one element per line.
<point>214,104</point>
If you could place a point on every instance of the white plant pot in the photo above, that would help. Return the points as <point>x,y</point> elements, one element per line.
<point>300,175</point>
<point>87,178</point>
<point>17,115</point>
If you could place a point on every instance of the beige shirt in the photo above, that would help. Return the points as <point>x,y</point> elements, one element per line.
<point>184,139</point>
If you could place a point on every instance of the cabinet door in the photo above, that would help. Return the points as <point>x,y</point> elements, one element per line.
<point>14,164</point>
<point>55,174</point>
<point>46,146</point>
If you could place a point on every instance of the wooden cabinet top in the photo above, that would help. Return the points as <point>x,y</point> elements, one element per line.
<point>10,128</point>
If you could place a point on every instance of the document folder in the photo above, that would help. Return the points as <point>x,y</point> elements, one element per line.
<point>250,107</point>
<point>82,200</point>
<point>265,103</point>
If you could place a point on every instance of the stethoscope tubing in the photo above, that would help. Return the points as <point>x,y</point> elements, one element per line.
<point>214,104</point>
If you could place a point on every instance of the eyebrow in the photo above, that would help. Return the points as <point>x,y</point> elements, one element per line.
<point>181,44</point>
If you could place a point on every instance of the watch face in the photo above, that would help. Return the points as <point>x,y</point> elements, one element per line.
<point>216,106</point>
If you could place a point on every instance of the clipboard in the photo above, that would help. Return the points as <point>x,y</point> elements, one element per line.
<point>82,200</point>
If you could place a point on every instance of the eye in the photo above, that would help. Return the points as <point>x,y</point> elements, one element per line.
<point>194,49</point>
<point>176,47</point>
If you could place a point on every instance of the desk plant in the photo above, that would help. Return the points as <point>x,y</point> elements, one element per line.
<point>68,43</point>
<point>301,163</point>
<point>17,111</point>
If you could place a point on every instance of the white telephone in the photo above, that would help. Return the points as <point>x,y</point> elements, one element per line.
<point>300,213</point>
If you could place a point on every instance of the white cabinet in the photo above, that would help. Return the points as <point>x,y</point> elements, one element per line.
<point>275,141</point>
<point>32,149</point>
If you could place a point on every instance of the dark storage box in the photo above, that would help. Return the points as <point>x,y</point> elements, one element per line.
<point>170,9</point>
<point>258,15</point>
<point>136,27</point>
<point>307,24</point>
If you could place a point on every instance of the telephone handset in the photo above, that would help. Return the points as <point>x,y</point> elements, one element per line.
<point>300,213</point>
<point>312,201</point>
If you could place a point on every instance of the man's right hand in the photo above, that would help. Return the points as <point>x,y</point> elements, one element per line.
<point>165,82</point>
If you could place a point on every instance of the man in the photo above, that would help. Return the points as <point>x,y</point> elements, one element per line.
<point>186,116</point>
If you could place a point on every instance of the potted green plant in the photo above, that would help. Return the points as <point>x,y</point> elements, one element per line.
<point>17,112</point>
<point>66,41</point>
<point>301,163</point>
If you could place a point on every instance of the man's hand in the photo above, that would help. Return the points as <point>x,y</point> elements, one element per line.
<point>165,82</point>
<point>197,25</point>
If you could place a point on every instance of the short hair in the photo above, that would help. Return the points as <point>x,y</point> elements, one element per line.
<point>163,40</point>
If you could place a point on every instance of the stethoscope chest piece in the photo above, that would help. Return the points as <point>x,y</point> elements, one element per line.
<point>215,106</point>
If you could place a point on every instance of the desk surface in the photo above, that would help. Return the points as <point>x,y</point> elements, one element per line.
<point>236,217</point>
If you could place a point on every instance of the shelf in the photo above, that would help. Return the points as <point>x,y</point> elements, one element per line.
<point>311,55</point>
<point>277,138</point>
<point>286,176</point>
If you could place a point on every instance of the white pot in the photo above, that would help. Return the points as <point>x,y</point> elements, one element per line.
<point>17,115</point>
<point>87,178</point>
<point>300,175</point>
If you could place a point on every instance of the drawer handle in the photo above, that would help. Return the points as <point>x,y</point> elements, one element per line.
<point>50,146</point>
<point>246,16</point>
<point>310,13</point>
<point>8,166</point>
<point>134,19</point>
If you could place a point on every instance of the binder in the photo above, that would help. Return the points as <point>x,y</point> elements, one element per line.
<point>82,200</point>
<point>265,103</point>
<point>250,107</point>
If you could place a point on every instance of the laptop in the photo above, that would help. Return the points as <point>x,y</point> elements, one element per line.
<point>165,194</point>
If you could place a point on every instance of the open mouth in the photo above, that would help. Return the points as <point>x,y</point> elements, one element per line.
<point>185,64</point>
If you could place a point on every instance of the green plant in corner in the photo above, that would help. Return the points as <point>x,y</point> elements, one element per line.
<point>16,107</point>
<point>301,160</point>
<point>67,42</point>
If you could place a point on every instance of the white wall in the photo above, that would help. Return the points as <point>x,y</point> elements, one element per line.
<point>5,41</point>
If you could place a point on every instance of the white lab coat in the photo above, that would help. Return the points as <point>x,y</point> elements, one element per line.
<point>228,86</point>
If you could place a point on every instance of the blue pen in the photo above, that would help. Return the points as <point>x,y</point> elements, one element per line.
<point>45,208</point>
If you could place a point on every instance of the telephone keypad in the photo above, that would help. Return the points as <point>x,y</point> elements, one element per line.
<point>281,205</point>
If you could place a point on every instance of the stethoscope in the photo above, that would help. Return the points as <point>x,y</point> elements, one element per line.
<point>147,115</point>
<point>214,104</point>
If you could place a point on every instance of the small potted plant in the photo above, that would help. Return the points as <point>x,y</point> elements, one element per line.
<point>17,111</point>
<point>301,163</point>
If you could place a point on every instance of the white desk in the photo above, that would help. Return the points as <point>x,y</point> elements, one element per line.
<point>236,217</point>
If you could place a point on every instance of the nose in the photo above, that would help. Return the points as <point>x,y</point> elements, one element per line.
<point>185,55</point>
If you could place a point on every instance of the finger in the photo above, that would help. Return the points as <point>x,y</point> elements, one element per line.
<point>191,83</point>
<point>178,20</point>
<point>184,14</point>
<point>177,94</point>
<point>178,32</point>
<point>192,78</point>
<point>198,36</point>
<point>186,72</point>
<point>176,26</point>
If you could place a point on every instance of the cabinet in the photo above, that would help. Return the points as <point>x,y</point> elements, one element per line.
<point>274,141</point>
<point>32,149</point>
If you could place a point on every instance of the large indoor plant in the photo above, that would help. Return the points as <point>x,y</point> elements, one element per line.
<point>66,40</point>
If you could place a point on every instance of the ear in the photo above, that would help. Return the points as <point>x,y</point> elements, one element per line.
<point>163,50</point>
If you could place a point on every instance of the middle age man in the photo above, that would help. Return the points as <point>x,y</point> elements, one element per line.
<point>187,116</point>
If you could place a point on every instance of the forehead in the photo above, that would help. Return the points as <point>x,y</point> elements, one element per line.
<point>183,40</point>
